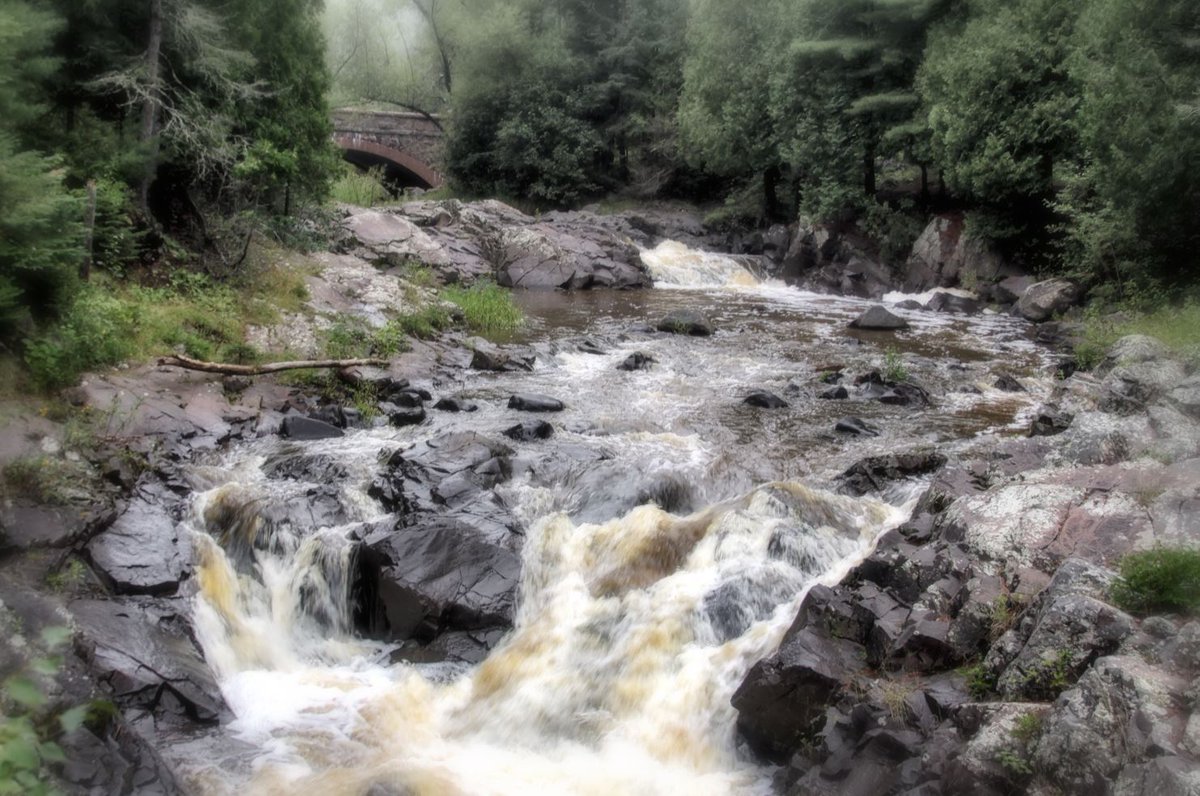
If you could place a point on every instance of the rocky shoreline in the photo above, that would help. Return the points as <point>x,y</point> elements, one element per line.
<point>976,648</point>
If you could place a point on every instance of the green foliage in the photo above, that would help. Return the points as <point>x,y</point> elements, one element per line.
<point>894,229</point>
<point>1015,763</point>
<point>981,683</point>
<point>97,330</point>
<point>487,308</point>
<point>893,366</point>
<point>1160,580</point>
<point>1050,677</point>
<point>1028,728</point>
<point>361,188</point>
<point>1176,325</point>
<point>47,479</point>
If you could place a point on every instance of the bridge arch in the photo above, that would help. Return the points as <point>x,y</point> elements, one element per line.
<point>400,167</point>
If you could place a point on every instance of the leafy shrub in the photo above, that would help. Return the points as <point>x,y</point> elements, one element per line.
<point>1160,580</point>
<point>487,308</point>
<point>362,188</point>
<point>893,366</point>
<point>895,230</point>
<point>97,330</point>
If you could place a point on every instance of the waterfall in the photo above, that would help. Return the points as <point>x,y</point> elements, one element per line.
<point>675,265</point>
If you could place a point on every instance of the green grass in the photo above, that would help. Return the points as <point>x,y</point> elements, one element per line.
<point>362,188</point>
<point>1178,327</point>
<point>487,308</point>
<point>893,366</point>
<point>47,479</point>
<point>1162,580</point>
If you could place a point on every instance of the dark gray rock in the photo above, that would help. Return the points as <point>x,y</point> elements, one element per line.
<point>143,552</point>
<point>636,361</point>
<point>879,318</point>
<point>530,431</point>
<point>856,426</point>
<point>951,302</point>
<point>422,580</point>
<point>1050,420</point>
<point>455,405</point>
<point>905,394</point>
<point>298,427</point>
<point>875,473</point>
<point>401,416</point>
<point>910,304</point>
<point>689,322</point>
<point>764,400</point>
<point>835,394</point>
<point>530,402</point>
<point>298,466</point>
<point>1006,383</point>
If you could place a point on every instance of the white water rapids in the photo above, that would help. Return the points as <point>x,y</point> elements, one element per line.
<point>631,635</point>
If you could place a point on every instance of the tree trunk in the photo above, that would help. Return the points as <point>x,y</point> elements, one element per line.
<point>925,185</point>
<point>152,106</point>
<point>89,225</point>
<point>273,367</point>
<point>869,171</point>
<point>770,192</point>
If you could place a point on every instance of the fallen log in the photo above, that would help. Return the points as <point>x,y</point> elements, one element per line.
<point>271,367</point>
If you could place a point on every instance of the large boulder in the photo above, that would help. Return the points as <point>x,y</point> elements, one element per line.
<point>545,257</point>
<point>946,256</point>
<point>689,322</point>
<point>418,581</point>
<point>879,318</point>
<point>144,551</point>
<point>1043,300</point>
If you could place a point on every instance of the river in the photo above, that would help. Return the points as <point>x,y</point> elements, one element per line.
<point>667,533</point>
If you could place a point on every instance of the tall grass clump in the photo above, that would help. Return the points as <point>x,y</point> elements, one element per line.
<point>362,188</point>
<point>1178,327</point>
<point>487,308</point>
<point>1162,580</point>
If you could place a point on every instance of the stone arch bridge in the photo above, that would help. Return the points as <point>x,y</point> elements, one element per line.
<point>408,146</point>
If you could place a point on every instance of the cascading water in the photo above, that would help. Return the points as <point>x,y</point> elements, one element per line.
<point>635,624</point>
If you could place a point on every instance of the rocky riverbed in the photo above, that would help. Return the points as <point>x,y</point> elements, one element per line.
<point>702,536</point>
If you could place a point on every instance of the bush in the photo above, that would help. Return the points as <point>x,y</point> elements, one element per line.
<point>97,330</point>
<point>361,188</point>
<point>1160,580</point>
<point>487,308</point>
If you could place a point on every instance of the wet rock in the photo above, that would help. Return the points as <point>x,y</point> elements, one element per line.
<point>1043,300</point>
<point>1006,383</point>
<point>738,603</point>
<point>876,473</point>
<point>1049,421</point>
<point>143,552</point>
<point>455,405</point>
<point>591,347</point>
<point>910,304</point>
<point>1010,289</point>
<point>905,394</point>
<point>530,431</point>
<point>835,394</point>
<point>420,581</point>
<point>689,322</point>
<point>306,429</point>
<point>856,426</point>
<point>546,256</point>
<point>530,402</point>
<point>954,303</point>
<point>144,652</point>
<point>26,527</point>
<point>879,318</point>
<point>764,400</point>
<point>486,356</point>
<point>408,399</point>
<point>636,361</point>
<point>783,699</point>
<point>400,415</point>
<point>469,647</point>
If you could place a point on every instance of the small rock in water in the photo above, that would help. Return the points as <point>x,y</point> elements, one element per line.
<point>879,318</point>
<point>637,361</point>
<point>854,425</point>
<point>949,302</point>
<point>832,377</point>
<point>528,432</point>
<point>1050,420</point>
<point>905,394</point>
<point>764,400</point>
<point>406,398</point>
<point>1007,383</point>
<point>305,428</point>
<point>455,405</point>
<point>530,402</point>
<point>835,394</point>
<point>910,304</point>
<point>687,322</point>
<point>591,347</point>
<point>402,415</point>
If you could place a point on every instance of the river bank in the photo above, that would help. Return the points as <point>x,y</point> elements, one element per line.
<point>311,609</point>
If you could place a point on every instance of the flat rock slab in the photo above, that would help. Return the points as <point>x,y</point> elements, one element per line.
<point>307,429</point>
<point>143,552</point>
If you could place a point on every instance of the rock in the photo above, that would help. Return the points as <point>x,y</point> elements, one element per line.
<point>422,580</point>
<point>689,322</point>
<point>1010,289</point>
<point>26,527</point>
<point>236,385</point>
<point>784,697</point>
<point>143,552</point>
<point>315,469</point>
<point>874,473</point>
<point>298,427</point>
<point>979,768</point>
<point>1043,300</point>
<point>636,361</point>
<point>764,400</point>
<point>945,256</point>
<point>1006,383</point>
<point>144,652</point>
<point>532,430</point>
<point>591,347</point>
<point>1050,420</point>
<point>455,405</point>
<point>548,256</point>
<point>400,415</point>
<point>530,402</point>
<point>952,302</point>
<point>854,425</point>
<point>910,304</point>
<point>905,394</point>
<point>835,394</point>
<point>1186,397</point>
<point>879,318</point>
